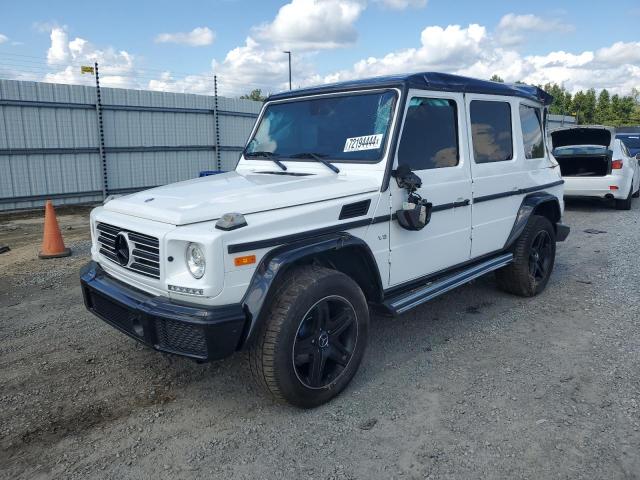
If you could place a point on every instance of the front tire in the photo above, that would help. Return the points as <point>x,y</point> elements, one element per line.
<point>311,344</point>
<point>534,254</point>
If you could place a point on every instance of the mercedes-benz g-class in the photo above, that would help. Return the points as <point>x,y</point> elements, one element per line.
<point>381,193</point>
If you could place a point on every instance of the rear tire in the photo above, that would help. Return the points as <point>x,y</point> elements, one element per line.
<point>311,344</point>
<point>626,203</point>
<point>534,255</point>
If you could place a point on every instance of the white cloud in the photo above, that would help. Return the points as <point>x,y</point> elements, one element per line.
<point>59,50</point>
<point>65,58</point>
<point>619,53</point>
<point>3,38</point>
<point>254,65</point>
<point>473,51</point>
<point>403,4</point>
<point>313,24</point>
<point>444,49</point>
<point>198,37</point>
<point>200,84</point>
<point>515,29</point>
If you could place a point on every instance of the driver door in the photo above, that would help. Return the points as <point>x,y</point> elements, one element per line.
<point>432,145</point>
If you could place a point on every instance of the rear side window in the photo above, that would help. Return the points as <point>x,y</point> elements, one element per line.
<point>430,134</point>
<point>491,131</point>
<point>531,132</point>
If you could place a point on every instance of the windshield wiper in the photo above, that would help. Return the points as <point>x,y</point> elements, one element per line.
<point>270,155</point>
<point>317,157</point>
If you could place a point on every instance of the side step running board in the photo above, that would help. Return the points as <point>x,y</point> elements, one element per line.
<point>432,289</point>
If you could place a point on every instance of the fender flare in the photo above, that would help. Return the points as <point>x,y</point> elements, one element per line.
<point>276,263</point>
<point>529,205</point>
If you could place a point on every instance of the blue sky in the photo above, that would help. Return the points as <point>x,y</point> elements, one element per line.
<point>170,45</point>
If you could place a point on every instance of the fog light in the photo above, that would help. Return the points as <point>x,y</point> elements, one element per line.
<point>186,290</point>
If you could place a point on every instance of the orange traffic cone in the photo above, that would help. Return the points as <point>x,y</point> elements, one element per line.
<point>52,243</point>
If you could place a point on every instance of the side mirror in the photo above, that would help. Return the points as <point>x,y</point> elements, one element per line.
<point>637,156</point>
<point>415,213</point>
<point>406,178</point>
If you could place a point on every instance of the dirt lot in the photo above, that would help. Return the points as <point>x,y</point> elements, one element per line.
<point>478,384</point>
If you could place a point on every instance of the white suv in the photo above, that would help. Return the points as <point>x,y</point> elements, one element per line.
<point>380,193</point>
<point>594,163</point>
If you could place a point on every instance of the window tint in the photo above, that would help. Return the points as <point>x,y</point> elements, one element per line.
<point>430,134</point>
<point>531,132</point>
<point>491,131</point>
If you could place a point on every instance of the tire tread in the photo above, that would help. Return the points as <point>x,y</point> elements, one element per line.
<point>262,353</point>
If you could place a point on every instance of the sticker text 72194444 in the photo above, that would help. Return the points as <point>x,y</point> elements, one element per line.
<point>367,142</point>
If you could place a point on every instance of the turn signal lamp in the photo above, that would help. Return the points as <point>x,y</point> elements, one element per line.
<point>246,260</point>
<point>616,164</point>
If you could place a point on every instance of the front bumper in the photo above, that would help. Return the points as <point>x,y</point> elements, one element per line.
<point>201,333</point>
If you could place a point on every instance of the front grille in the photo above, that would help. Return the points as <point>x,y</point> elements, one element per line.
<point>145,252</point>
<point>181,337</point>
<point>110,310</point>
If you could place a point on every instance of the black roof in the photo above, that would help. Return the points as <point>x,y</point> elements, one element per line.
<point>443,82</point>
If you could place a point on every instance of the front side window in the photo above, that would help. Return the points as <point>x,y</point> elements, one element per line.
<point>491,131</point>
<point>430,134</point>
<point>348,127</point>
<point>531,132</point>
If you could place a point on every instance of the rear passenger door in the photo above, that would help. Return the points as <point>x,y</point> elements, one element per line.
<point>432,145</point>
<point>497,169</point>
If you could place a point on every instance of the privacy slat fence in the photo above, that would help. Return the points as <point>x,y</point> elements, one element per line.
<point>50,139</point>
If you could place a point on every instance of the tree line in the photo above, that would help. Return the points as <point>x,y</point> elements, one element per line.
<point>591,108</point>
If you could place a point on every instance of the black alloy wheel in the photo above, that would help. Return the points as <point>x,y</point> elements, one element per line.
<point>534,253</point>
<point>312,341</point>
<point>325,342</point>
<point>540,255</point>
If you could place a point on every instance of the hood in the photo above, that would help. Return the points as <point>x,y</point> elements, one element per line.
<point>208,198</point>
<point>574,136</point>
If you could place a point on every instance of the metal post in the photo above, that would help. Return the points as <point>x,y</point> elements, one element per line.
<point>289,53</point>
<point>103,157</point>
<point>217,122</point>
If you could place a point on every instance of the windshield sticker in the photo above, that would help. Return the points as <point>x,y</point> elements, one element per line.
<point>368,142</point>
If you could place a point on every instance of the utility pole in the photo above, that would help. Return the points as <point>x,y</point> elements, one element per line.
<point>289,53</point>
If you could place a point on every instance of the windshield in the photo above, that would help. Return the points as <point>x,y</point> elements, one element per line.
<point>632,142</point>
<point>347,127</point>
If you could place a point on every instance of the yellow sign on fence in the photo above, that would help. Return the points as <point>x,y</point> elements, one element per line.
<point>86,69</point>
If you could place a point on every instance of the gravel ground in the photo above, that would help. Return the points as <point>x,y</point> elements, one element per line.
<point>477,384</point>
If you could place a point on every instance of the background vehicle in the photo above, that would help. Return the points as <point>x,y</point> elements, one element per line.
<point>594,163</point>
<point>385,192</point>
<point>631,141</point>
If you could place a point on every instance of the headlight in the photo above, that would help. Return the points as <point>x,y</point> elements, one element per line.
<point>195,260</point>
